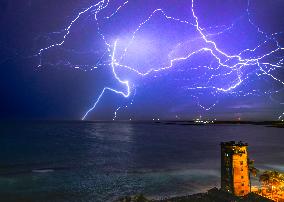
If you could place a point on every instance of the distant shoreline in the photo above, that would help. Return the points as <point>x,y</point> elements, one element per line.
<point>189,122</point>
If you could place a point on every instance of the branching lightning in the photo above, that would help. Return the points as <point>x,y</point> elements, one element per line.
<point>234,64</point>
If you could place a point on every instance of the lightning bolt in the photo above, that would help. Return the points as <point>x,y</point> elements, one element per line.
<point>126,83</point>
<point>232,63</point>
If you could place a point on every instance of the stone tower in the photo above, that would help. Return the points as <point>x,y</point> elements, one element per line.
<point>235,177</point>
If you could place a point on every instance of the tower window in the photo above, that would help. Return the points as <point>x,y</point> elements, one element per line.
<point>241,162</point>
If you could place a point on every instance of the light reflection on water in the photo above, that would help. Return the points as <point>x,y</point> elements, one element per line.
<point>101,161</point>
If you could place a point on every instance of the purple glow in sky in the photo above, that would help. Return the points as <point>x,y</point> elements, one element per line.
<point>190,58</point>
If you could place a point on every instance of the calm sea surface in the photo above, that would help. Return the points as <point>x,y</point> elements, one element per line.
<point>75,161</point>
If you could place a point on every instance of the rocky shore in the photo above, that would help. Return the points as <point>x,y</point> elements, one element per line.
<point>213,195</point>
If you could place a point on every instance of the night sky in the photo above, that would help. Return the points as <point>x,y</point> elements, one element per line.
<point>64,82</point>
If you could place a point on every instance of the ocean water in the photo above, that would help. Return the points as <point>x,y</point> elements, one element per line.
<point>84,161</point>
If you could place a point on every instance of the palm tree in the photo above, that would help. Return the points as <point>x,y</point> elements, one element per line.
<point>253,170</point>
<point>264,179</point>
<point>271,180</point>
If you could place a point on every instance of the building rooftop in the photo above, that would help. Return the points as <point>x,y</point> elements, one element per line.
<point>233,143</point>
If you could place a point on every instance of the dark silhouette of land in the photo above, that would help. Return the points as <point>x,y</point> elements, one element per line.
<point>213,195</point>
<point>278,124</point>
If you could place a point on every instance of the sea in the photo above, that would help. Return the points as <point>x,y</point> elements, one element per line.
<point>102,161</point>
